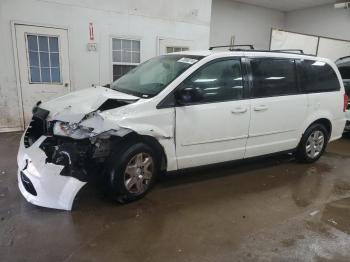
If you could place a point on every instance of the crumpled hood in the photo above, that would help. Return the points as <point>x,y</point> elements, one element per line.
<point>74,106</point>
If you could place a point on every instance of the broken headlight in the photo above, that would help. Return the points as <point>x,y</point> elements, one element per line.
<point>72,130</point>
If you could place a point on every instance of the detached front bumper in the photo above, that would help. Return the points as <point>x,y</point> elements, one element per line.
<point>40,182</point>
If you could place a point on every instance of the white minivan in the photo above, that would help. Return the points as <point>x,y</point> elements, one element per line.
<point>179,111</point>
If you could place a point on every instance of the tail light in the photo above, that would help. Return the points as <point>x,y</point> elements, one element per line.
<point>346,101</point>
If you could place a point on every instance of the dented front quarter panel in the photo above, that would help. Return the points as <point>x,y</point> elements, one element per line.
<point>53,190</point>
<point>142,118</point>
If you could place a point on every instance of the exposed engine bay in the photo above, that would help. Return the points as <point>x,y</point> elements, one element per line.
<point>79,158</point>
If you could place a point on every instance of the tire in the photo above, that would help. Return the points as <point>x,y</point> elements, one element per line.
<point>126,186</point>
<point>311,147</point>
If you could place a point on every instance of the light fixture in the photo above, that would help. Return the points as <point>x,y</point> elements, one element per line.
<point>342,5</point>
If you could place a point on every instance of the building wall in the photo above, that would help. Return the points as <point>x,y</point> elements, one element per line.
<point>144,19</point>
<point>324,21</point>
<point>201,21</point>
<point>249,24</point>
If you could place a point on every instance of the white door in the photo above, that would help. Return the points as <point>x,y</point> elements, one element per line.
<point>170,45</point>
<point>216,128</point>
<point>43,64</point>
<point>278,110</point>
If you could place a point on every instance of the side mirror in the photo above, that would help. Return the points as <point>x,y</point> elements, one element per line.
<point>188,95</point>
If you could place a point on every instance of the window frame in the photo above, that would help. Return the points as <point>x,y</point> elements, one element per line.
<point>251,78</point>
<point>170,101</point>
<point>112,63</point>
<point>59,59</point>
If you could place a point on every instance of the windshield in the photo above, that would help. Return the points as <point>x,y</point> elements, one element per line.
<point>151,77</point>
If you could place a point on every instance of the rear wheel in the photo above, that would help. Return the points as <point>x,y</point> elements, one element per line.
<point>312,144</point>
<point>132,172</point>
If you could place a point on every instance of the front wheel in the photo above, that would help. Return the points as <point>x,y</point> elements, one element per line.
<point>312,144</point>
<point>132,172</point>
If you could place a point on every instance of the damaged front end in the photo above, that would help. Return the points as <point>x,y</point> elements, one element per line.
<point>53,168</point>
<point>70,138</point>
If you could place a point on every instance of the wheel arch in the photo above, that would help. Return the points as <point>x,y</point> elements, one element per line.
<point>323,121</point>
<point>152,142</point>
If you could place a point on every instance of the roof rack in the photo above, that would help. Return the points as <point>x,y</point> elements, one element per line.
<point>288,50</point>
<point>251,49</point>
<point>232,47</point>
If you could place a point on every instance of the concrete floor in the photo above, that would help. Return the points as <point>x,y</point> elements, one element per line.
<point>268,210</point>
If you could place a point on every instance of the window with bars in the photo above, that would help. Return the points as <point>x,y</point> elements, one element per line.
<point>44,59</point>
<point>172,49</point>
<point>125,56</point>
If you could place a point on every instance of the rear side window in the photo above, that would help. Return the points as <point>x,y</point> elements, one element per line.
<point>317,76</point>
<point>273,77</point>
<point>218,81</point>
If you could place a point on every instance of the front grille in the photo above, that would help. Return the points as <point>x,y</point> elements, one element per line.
<point>27,184</point>
<point>36,128</point>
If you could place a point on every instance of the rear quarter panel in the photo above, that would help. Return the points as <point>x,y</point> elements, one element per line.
<point>328,105</point>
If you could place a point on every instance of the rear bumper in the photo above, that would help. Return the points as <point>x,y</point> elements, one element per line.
<point>337,129</point>
<point>41,183</point>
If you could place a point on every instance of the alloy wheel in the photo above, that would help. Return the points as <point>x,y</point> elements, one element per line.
<point>138,173</point>
<point>315,144</point>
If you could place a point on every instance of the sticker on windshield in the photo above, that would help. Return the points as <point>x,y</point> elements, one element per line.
<point>187,60</point>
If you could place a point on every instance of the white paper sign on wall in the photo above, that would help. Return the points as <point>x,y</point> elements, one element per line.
<point>92,47</point>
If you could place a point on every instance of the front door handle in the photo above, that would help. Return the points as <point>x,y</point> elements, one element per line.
<point>260,108</point>
<point>239,110</point>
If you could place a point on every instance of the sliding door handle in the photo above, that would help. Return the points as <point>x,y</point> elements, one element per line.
<point>239,110</point>
<point>261,108</point>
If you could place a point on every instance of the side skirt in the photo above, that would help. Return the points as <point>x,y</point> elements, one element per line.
<point>231,163</point>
